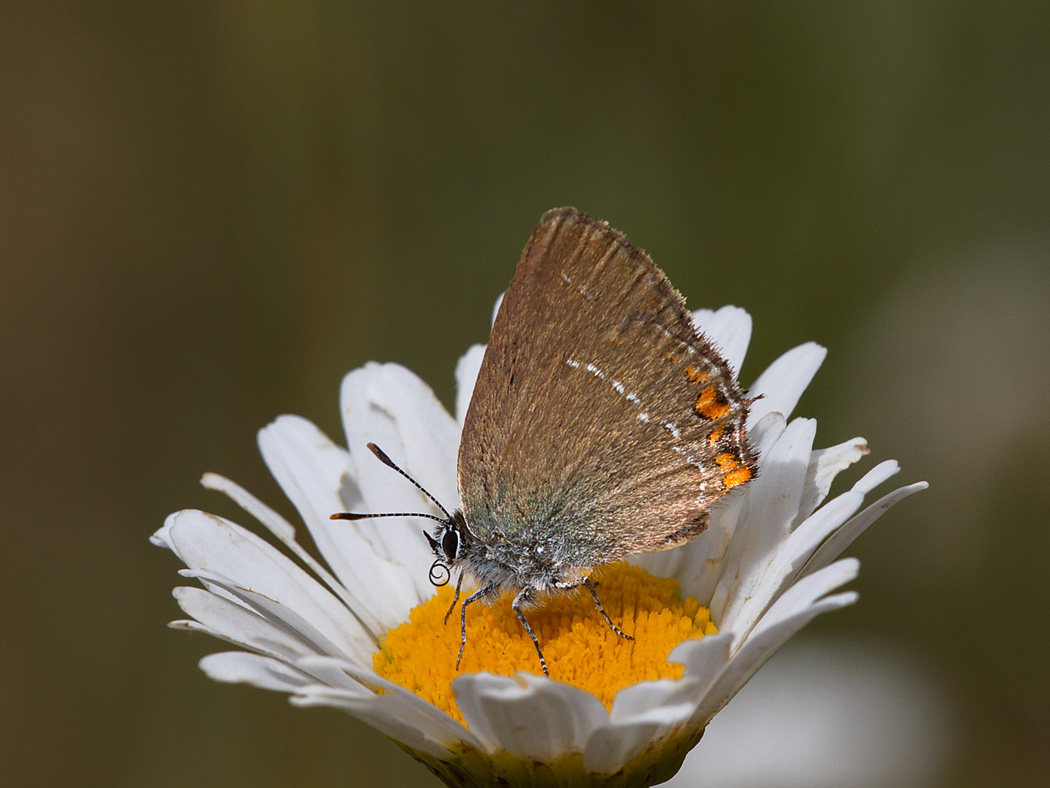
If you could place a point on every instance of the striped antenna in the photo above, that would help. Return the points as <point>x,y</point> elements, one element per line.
<point>383,458</point>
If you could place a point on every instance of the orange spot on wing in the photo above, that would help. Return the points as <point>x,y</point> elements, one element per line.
<point>696,375</point>
<point>709,405</point>
<point>726,460</point>
<point>739,476</point>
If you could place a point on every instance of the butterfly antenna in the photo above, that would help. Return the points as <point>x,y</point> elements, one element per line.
<point>355,516</point>
<point>383,458</point>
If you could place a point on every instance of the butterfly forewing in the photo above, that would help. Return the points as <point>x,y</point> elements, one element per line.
<point>577,439</point>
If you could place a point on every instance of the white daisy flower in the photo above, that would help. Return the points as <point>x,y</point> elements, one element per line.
<point>342,633</point>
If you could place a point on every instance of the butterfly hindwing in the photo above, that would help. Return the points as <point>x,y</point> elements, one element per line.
<point>602,423</point>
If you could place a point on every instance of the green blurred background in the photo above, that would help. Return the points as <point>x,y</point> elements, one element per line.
<point>210,212</point>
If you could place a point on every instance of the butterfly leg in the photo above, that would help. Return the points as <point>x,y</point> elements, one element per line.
<point>523,596</point>
<point>586,581</point>
<point>455,599</point>
<point>463,615</point>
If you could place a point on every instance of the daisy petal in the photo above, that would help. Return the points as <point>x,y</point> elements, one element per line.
<point>467,369</point>
<point>212,546</point>
<point>236,624</point>
<point>824,466</point>
<point>387,405</point>
<point>783,382</point>
<point>611,747</point>
<point>766,432</point>
<point>797,607</point>
<point>741,596</point>
<point>311,469</point>
<point>699,564</point>
<point>274,522</point>
<point>729,329</point>
<point>844,536</point>
<point>368,691</point>
<point>240,667</point>
<point>705,658</point>
<point>638,700</point>
<point>804,595</point>
<point>280,528</point>
<point>284,617</point>
<point>529,716</point>
<point>403,724</point>
<point>877,475</point>
<point>805,539</point>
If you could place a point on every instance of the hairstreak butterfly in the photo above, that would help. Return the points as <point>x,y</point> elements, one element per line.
<point>602,424</point>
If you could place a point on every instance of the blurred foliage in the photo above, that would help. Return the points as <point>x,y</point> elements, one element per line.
<point>210,212</point>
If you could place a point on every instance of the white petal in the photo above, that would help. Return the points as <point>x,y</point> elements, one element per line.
<point>236,624</point>
<point>530,716</point>
<point>283,616</point>
<point>274,522</point>
<point>240,667</point>
<point>613,745</point>
<point>807,537</point>
<point>844,536</point>
<point>651,710</point>
<point>467,369</point>
<point>783,382</point>
<point>366,695</point>
<point>162,536</point>
<point>766,432</point>
<point>638,700</point>
<point>698,564</point>
<point>212,546</point>
<point>877,475</point>
<point>729,329</point>
<point>391,407</point>
<point>691,562</point>
<point>309,467</point>
<point>799,605</point>
<point>802,596</point>
<point>285,532</point>
<point>312,470</point>
<point>496,306</point>
<point>388,716</point>
<point>747,582</point>
<point>824,466</point>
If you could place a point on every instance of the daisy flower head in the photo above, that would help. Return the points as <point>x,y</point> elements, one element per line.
<point>678,601</point>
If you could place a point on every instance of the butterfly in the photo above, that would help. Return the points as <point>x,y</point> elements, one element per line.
<point>602,424</point>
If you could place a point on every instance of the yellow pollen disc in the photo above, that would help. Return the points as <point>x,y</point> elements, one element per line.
<point>579,646</point>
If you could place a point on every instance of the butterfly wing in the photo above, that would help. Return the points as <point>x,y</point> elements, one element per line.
<point>602,423</point>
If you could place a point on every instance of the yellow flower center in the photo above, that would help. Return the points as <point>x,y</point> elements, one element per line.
<point>578,645</point>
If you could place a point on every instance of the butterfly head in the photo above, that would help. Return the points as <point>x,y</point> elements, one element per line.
<point>447,542</point>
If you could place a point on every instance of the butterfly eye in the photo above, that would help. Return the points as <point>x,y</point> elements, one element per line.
<point>450,543</point>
